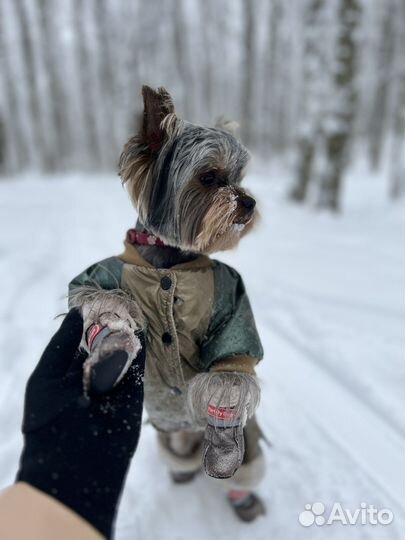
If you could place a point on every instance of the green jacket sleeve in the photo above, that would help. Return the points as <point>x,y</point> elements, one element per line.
<point>105,274</point>
<point>232,329</point>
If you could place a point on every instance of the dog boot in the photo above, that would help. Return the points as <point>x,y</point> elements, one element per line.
<point>246,504</point>
<point>223,444</point>
<point>111,354</point>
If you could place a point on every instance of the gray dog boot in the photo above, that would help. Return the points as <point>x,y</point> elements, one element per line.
<point>223,449</point>
<point>222,402</point>
<point>110,355</point>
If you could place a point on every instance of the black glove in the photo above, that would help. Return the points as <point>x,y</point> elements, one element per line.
<point>78,450</point>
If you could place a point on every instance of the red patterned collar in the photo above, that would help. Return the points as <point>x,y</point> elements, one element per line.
<point>144,239</point>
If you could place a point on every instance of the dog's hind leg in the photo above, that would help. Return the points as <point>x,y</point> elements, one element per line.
<point>181,451</point>
<point>241,487</point>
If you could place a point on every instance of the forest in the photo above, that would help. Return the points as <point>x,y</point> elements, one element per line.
<point>312,83</point>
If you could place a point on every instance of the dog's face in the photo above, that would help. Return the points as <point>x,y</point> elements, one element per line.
<point>185,179</point>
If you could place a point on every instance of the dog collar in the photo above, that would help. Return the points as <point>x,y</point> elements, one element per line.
<point>144,239</point>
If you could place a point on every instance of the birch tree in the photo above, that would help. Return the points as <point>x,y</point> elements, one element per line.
<point>14,137</point>
<point>92,151</point>
<point>312,99</point>
<point>379,108</point>
<point>29,63</point>
<point>338,129</point>
<point>247,73</point>
<point>397,154</point>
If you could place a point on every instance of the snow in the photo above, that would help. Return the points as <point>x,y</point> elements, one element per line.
<point>327,292</point>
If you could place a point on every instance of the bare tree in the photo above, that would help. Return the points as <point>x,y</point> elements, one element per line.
<point>397,180</point>
<point>271,76</point>
<point>378,116</point>
<point>312,100</point>
<point>2,145</point>
<point>14,137</point>
<point>248,73</point>
<point>182,57</point>
<point>208,40</point>
<point>107,82</point>
<point>27,47</point>
<point>397,161</point>
<point>92,151</point>
<point>129,82</point>
<point>342,113</point>
<point>57,87</point>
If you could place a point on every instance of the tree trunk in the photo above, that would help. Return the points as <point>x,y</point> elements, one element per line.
<point>56,98</point>
<point>27,47</point>
<point>377,127</point>
<point>306,157</point>
<point>182,56</point>
<point>92,148</point>
<point>14,141</point>
<point>271,78</point>
<point>106,82</point>
<point>341,119</point>
<point>2,146</point>
<point>248,74</point>
<point>208,40</point>
<point>397,173</point>
<point>397,183</point>
<point>311,104</point>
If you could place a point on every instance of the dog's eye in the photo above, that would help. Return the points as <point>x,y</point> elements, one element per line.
<point>208,179</point>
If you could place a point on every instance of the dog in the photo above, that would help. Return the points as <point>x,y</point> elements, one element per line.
<point>191,312</point>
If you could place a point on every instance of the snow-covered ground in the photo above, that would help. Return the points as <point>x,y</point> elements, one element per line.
<point>327,292</point>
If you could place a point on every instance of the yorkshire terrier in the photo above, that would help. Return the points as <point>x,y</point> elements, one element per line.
<point>191,312</point>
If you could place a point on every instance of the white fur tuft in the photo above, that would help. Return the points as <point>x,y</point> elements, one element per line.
<point>240,391</point>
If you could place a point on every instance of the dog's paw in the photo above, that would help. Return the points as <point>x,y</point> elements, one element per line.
<point>109,360</point>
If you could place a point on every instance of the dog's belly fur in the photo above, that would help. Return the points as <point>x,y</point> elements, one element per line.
<point>166,407</point>
<point>178,315</point>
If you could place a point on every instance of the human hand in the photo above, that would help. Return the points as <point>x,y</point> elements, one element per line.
<point>76,449</point>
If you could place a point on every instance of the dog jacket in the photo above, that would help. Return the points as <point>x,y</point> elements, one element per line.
<point>198,319</point>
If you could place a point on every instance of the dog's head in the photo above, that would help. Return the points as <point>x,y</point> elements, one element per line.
<point>185,179</point>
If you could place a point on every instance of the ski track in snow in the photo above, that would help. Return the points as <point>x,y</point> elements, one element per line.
<point>327,293</point>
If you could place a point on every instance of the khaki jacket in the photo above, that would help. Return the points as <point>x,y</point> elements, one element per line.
<point>198,319</point>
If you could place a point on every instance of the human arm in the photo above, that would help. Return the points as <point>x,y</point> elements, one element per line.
<point>77,451</point>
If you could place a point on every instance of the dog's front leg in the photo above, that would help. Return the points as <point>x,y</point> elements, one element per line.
<point>112,336</point>
<point>222,402</point>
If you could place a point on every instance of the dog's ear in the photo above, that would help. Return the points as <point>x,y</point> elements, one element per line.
<point>157,105</point>
<point>230,126</point>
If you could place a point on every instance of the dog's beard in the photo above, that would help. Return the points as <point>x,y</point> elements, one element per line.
<point>210,222</point>
<point>229,238</point>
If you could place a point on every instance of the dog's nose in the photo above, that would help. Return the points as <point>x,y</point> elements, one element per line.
<point>248,202</point>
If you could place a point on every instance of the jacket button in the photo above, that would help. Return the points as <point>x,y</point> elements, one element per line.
<point>165,283</point>
<point>167,338</point>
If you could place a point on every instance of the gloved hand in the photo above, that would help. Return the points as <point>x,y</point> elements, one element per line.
<point>76,449</point>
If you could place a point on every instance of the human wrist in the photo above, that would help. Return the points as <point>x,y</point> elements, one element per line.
<point>87,481</point>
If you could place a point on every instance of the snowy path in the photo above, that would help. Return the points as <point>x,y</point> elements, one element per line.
<point>328,298</point>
